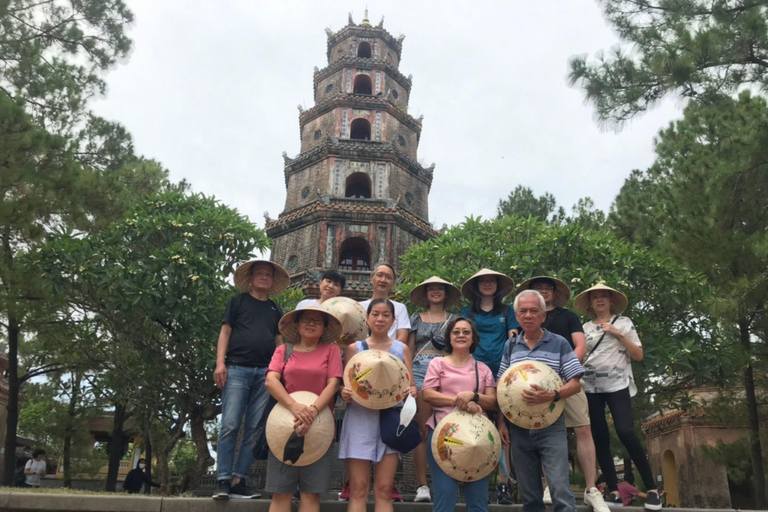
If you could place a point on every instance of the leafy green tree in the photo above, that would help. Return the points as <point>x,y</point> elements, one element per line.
<point>688,49</point>
<point>707,205</point>
<point>523,202</point>
<point>156,282</point>
<point>666,300</point>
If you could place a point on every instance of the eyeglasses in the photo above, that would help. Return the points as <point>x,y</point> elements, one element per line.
<point>384,275</point>
<point>308,320</point>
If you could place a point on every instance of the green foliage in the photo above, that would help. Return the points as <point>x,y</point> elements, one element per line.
<point>666,300</point>
<point>690,49</point>
<point>734,457</point>
<point>289,299</point>
<point>523,202</point>
<point>183,457</point>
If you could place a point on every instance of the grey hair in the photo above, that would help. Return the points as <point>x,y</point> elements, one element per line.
<point>534,293</point>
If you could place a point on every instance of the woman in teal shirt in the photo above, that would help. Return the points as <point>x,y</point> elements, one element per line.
<point>496,323</point>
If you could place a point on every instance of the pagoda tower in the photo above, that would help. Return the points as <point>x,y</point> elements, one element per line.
<point>356,194</point>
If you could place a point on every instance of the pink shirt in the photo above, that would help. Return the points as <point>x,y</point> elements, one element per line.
<point>308,371</point>
<point>451,380</point>
<point>627,492</point>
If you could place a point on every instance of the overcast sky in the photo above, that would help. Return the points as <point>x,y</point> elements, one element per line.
<point>211,89</point>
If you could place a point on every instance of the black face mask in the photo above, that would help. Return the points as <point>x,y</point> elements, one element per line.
<point>294,448</point>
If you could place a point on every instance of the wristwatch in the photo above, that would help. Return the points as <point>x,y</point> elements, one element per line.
<point>557,397</point>
<point>476,398</point>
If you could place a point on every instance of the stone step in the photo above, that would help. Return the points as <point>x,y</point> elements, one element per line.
<point>46,502</point>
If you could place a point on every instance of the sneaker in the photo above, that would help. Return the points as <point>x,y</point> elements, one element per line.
<point>422,494</point>
<point>504,498</point>
<point>395,496</point>
<point>594,498</point>
<point>547,497</point>
<point>240,491</point>
<point>222,490</point>
<point>613,500</point>
<point>653,500</point>
<point>344,495</point>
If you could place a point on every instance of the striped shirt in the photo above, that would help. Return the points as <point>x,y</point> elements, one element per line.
<point>552,350</point>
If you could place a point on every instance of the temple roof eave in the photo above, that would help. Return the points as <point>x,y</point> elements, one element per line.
<point>336,37</point>
<point>360,101</point>
<point>363,63</point>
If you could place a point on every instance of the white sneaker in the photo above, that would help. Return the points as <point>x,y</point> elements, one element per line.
<point>594,498</point>
<point>547,498</point>
<point>422,494</point>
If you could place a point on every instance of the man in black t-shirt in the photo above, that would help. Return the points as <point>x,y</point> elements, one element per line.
<point>565,323</point>
<point>248,338</point>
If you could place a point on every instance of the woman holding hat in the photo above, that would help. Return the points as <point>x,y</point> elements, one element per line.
<point>612,343</point>
<point>360,441</point>
<point>458,381</point>
<point>314,365</point>
<point>496,323</point>
<point>427,342</point>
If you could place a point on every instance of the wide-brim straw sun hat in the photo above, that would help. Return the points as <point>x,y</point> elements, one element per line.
<point>280,281</point>
<point>418,295</point>
<point>352,316</point>
<point>509,394</point>
<point>377,379</point>
<point>618,303</point>
<point>289,327</point>
<point>317,440</point>
<point>466,446</point>
<point>562,293</point>
<point>505,286</point>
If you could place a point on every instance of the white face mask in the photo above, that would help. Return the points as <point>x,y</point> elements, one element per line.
<point>407,413</point>
<point>142,466</point>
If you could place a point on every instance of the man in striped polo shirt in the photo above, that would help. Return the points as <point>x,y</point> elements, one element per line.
<point>547,447</point>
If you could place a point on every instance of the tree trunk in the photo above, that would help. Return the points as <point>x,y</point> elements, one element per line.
<point>148,456</point>
<point>66,458</point>
<point>204,459</point>
<point>12,420</point>
<point>115,447</point>
<point>754,419</point>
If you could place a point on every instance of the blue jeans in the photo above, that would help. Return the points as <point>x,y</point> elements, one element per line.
<point>243,394</point>
<point>446,489</point>
<point>548,447</point>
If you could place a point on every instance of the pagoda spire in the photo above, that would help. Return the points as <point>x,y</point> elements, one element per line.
<point>365,22</point>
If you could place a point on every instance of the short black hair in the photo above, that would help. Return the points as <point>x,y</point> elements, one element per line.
<point>141,460</point>
<point>335,276</point>
<point>388,302</point>
<point>447,334</point>
<point>388,265</point>
<point>253,265</point>
<point>542,280</point>
<point>37,453</point>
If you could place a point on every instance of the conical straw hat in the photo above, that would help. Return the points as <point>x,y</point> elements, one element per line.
<point>509,394</point>
<point>562,292</point>
<point>418,295</point>
<point>243,277</point>
<point>289,328</point>
<point>506,283</point>
<point>317,440</point>
<point>352,316</point>
<point>618,304</point>
<point>377,379</point>
<point>466,446</point>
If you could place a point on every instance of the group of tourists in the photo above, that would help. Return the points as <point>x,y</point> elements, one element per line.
<point>453,362</point>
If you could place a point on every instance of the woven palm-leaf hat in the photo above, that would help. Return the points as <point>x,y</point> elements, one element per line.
<point>618,300</point>
<point>506,283</point>
<point>378,379</point>
<point>289,327</point>
<point>509,394</point>
<point>352,316</point>
<point>562,293</point>
<point>466,446</point>
<point>280,281</point>
<point>418,295</point>
<point>317,440</point>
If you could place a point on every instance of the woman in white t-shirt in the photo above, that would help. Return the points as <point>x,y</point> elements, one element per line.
<point>612,345</point>
<point>34,470</point>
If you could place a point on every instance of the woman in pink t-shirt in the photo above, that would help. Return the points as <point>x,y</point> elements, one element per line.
<point>313,365</point>
<point>457,381</point>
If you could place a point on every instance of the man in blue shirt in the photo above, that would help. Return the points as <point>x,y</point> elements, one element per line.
<point>548,447</point>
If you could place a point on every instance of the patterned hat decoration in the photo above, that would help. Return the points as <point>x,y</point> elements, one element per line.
<point>509,394</point>
<point>378,379</point>
<point>317,440</point>
<point>352,316</point>
<point>466,446</point>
